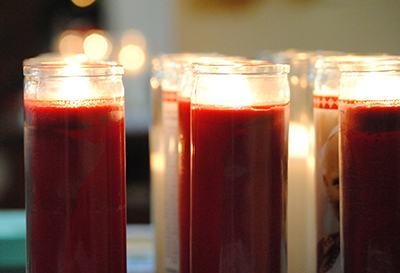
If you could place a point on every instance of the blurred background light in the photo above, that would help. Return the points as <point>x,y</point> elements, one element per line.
<point>133,47</point>
<point>70,43</point>
<point>132,57</point>
<point>82,3</point>
<point>97,46</point>
<point>133,37</point>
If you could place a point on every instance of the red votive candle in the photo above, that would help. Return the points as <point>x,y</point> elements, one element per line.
<point>369,120</point>
<point>166,207</point>
<point>239,115</point>
<point>75,168</point>
<point>183,98</point>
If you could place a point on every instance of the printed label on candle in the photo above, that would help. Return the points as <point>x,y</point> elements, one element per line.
<point>170,134</point>
<point>326,102</point>
<point>327,183</point>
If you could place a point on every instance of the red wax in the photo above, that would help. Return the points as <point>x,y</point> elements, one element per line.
<point>238,189</point>
<point>184,185</point>
<point>75,178</point>
<point>370,143</point>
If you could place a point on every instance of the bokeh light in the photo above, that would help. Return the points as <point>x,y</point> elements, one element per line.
<point>133,37</point>
<point>132,57</point>
<point>83,3</point>
<point>133,45</point>
<point>70,43</point>
<point>97,45</point>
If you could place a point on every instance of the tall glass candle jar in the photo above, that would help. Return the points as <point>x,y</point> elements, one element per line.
<point>165,185</point>
<point>185,87</point>
<point>75,167</point>
<point>157,163</point>
<point>240,117</point>
<point>369,160</point>
<point>326,123</point>
<point>301,186</point>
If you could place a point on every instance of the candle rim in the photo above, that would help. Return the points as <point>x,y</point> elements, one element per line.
<point>390,64</point>
<point>248,67</point>
<point>57,69</point>
<point>333,62</point>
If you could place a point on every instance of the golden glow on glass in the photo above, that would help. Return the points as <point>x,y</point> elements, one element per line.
<point>154,83</point>
<point>299,140</point>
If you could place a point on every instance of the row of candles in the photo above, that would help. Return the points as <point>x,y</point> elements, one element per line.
<point>209,196</point>
<point>230,193</point>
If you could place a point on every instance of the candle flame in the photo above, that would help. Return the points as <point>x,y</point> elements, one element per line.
<point>378,87</point>
<point>233,91</point>
<point>74,87</point>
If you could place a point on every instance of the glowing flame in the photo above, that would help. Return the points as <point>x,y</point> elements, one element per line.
<point>233,91</point>
<point>378,86</point>
<point>74,88</point>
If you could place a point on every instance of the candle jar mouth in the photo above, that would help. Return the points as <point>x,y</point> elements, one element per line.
<point>384,64</point>
<point>240,83</point>
<point>49,69</point>
<point>332,62</point>
<point>327,74</point>
<point>171,66</point>
<point>370,80</point>
<point>246,67</point>
<point>65,79</point>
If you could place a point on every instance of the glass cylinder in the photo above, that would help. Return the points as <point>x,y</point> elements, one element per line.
<point>75,167</point>
<point>157,163</point>
<point>369,160</point>
<point>301,185</point>
<point>326,123</point>
<point>165,190</point>
<point>183,96</point>
<point>239,115</point>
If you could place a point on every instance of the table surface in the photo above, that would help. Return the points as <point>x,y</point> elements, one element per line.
<point>140,250</point>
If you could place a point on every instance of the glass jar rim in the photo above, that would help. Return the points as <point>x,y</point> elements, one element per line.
<point>373,65</point>
<point>333,62</point>
<point>71,69</point>
<point>244,67</point>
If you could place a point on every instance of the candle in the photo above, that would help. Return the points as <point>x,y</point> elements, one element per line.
<point>75,168</point>
<point>164,165</point>
<point>239,167</point>
<point>301,205</point>
<point>157,164</point>
<point>326,120</point>
<point>369,105</point>
<point>183,97</point>
<point>301,182</point>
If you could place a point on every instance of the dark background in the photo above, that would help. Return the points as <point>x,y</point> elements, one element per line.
<point>27,29</point>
